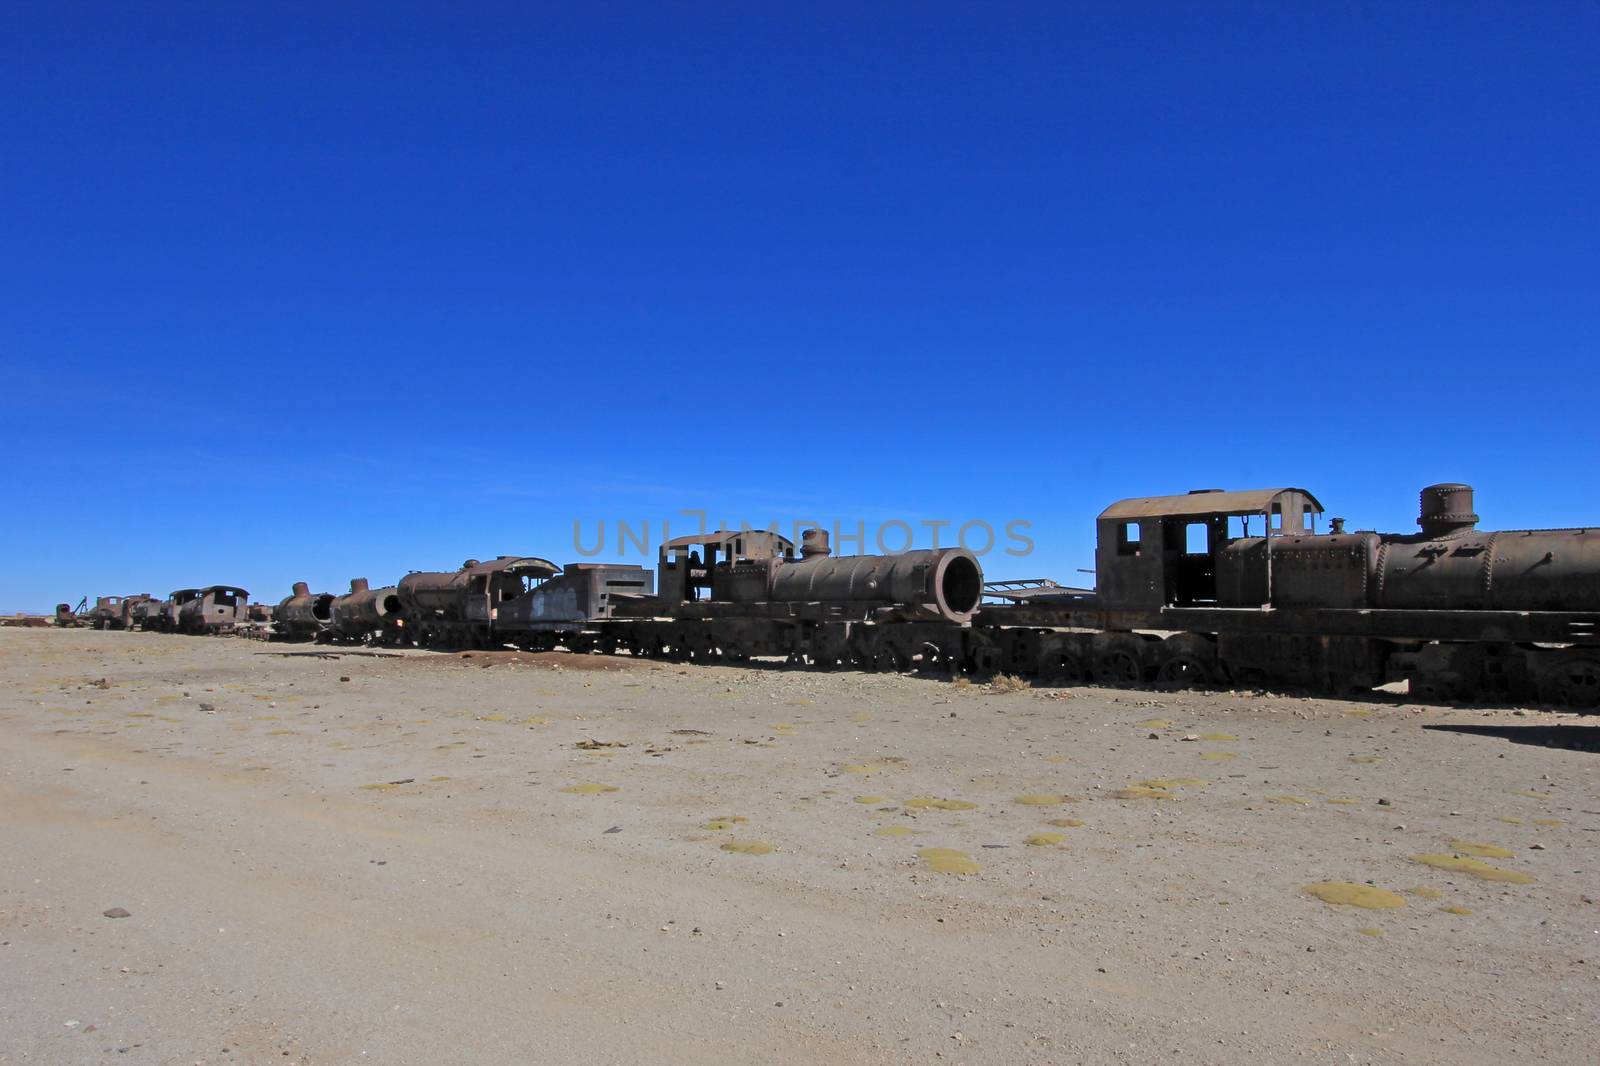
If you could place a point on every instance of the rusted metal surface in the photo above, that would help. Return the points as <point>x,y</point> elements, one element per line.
<point>1037,590</point>
<point>302,614</point>
<point>1209,588</point>
<point>460,608</point>
<point>1209,502</point>
<point>1456,611</point>
<point>107,612</point>
<point>213,609</point>
<point>144,613</point>
<point>132,605</point>
<point>942,583</point>
<point>1446,509</point>
<point>367,614</point>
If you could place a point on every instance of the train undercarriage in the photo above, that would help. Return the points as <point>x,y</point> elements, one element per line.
<point>1073,651</point>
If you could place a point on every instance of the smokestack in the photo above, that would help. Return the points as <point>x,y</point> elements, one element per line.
<point>358,584</point>
<point>302,589</point>
<point>814,544</point>
<point>1446,509</point>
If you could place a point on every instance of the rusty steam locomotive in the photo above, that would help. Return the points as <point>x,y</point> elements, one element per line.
<point>1209,589</point>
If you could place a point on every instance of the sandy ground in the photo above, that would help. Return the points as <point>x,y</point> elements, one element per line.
<point>384,859</point>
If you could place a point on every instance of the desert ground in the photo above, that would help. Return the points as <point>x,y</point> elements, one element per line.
<point>225,851</point>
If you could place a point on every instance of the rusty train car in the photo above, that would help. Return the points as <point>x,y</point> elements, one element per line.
<point>1217,588</point>
<point>212,610</point>
<point>1210,589</point>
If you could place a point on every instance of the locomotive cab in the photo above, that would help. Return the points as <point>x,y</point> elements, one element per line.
<point>1198,549</point>
<point>728,565</point>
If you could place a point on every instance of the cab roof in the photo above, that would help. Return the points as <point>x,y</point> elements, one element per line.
<point>1206,502</point>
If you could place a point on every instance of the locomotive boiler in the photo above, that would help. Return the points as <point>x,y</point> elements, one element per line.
<point>302,614</point>
<point>366,614</point>
<point>737,594</point>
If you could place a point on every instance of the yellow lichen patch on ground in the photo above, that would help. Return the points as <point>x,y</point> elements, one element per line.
<point>1218,736</point>
<point>1172,782</point>
<point>1456,910</point>
<point>864,769</point>
<point>1370,930</point>
<point>861,718</point>
<point>1474,867</point>
<point>1156,723</point>
<point>1350,894</point>
<point>748,847</point>
<point>491,717</point>
<point>1509,820</point>
<point>1218,756</point>
<point>721,823</point>
<point>1065,823</point>
<point>947,861</point>
<point>1342,801</point>
<point>1548,823</point>
<point>784,729</point>
<point>589,789</point>
<point>1136,792</point>
<point>872,799</point>
<point>1042,799</point>
<point>1293,801</point>
<point>280,732</point>
<point>1482,851</point>
<point>938,804</point>
<point>1044,840</point>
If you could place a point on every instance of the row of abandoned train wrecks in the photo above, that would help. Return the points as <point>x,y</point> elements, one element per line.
<point>1206,589</point>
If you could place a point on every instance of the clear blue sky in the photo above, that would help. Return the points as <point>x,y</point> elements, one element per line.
<point>317,291</point>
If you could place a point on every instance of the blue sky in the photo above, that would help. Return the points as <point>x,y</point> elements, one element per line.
<point>312,292</point>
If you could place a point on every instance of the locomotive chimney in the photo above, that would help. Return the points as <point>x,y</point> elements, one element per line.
<point>358,584</point>
<point>302,589</point>
<point>814,544</point>
<point>1336,525</point>
<point>1446,509</point>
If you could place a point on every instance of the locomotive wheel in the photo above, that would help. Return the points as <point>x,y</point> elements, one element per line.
<point>1061,668</point>
<point>606,645</point>
<point>890,661</point>
<point>1117,666</point>
<point>984,661</point>
<point>1185,670</point>
<point>1573,683</point>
